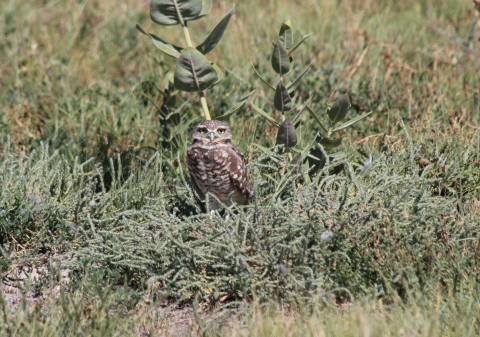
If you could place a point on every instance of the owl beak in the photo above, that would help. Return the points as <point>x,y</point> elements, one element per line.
<point>212,136</point>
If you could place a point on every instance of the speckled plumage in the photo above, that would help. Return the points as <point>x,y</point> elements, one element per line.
<point>216,166</point>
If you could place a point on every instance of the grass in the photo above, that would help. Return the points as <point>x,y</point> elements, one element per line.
<point>94,191</point>
<point>102,312</point>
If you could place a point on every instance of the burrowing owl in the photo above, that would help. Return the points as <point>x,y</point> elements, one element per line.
<point>216,166</point>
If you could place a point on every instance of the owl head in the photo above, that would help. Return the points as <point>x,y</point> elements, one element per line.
<point>212,132</point>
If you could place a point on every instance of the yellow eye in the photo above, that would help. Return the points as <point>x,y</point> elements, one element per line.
<point>221,131</point>
<point>202,130</point>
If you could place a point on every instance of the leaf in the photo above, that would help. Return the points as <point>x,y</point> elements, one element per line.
<point>296,165</point>
<point>168,80</point>
<point>298,44</point>
<point>286,34</point>
<point>206,8</point>
<point>339,109</point>
<point>298,79</point>
<point>315,117</point>
<point>237,106</point>
<point>216,35</point>
<point>302,109</point>
<point>194,72</point>
<point>179,129</point>
<point>273,155</point>
<point>178,110</point>
<point>164,12</point>
<point>337,155</point>
<point>149,147</point>
<point>330,143</point>
<point>165,47</point>
<point>351,122</point>
<point>286,134</point>
<point>170,99</point>
<point>280,60</point>
<point>282,100</point>
<point>262,79</point>
<point>181,107</point>
<point>317,158</point>
<point>219,73</point>
<point>265,115</point>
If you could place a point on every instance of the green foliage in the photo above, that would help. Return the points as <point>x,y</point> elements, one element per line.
<point>174,12</point>
<point>47,199</point>
<point>87,309</point>
<point>280,59</point>
<point>338,110</point>
<point>282,100</point>
<point>216,35</point>
<point>419,317</point>
<point>286,134</point>
<point>164,46</point>
<point>282,63</point>
<point>90,309</point>
<point>92,174</point>
<point>285,37</point>
<point>298,242</point>
<point>193,72</point>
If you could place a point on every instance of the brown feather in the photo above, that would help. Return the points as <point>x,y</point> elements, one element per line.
<point>217,167</point>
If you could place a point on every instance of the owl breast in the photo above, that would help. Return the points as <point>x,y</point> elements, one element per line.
<point>219,169</point>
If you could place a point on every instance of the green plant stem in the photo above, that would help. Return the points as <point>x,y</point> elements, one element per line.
<point>187,36</point>
<point>179,15</point>
<point>203,100</point>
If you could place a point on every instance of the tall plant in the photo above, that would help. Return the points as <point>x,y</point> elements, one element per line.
<point>193,71</point>
<point>285,99</point>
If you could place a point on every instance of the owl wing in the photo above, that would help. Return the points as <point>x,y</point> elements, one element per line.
<point>197,189</point>
<point>238,174</point>
<point>191,156</point>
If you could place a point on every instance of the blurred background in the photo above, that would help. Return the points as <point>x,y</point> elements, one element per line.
<point>75,73</point>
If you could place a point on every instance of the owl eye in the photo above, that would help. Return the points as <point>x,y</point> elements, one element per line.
<point>221,131</point>
<point>202,130</point>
